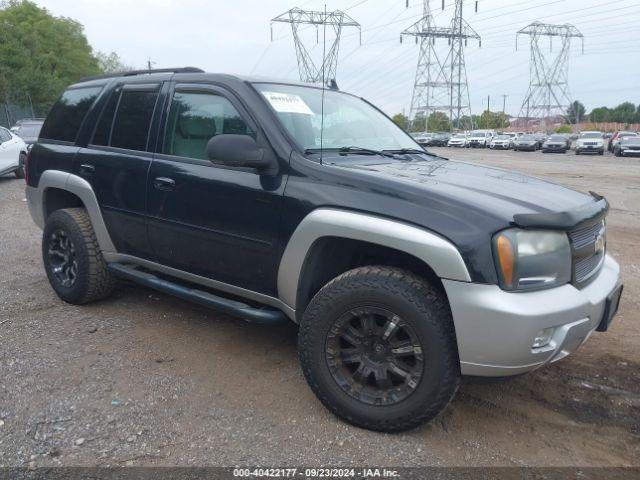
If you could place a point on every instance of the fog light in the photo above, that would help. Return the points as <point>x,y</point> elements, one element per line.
<point>543,337</point>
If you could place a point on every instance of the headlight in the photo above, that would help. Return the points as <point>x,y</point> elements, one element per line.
<point>532,259</point>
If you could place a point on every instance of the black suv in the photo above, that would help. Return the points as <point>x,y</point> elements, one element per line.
<point>270,200</point>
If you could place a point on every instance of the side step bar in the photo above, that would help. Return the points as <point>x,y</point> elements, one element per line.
<point>232,307</point>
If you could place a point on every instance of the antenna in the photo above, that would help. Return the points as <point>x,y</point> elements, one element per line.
<point>324,54</point>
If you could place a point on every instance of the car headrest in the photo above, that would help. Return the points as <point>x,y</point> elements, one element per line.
<point>197,126</point>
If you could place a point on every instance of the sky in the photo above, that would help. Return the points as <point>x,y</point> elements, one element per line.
<point>234,37</point>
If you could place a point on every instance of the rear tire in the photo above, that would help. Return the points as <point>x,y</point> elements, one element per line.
<point>19,172</point>
<point>367,376</point>
<point>72,258</point>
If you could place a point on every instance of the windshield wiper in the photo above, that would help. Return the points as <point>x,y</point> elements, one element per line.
<point>405,151</point>
<point>365,151</point>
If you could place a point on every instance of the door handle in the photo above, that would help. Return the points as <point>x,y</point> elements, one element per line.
<point>163,183</point>
<point>87,169</point>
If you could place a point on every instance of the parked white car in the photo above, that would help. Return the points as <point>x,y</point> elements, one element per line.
<point>458,140</point>
<point>501,142</point>
<point>13,152</point>
<point>590,142</point>
<point>480,138</point>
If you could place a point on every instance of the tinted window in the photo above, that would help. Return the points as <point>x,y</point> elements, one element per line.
<point>66,116</point>
<point>196,117</point>
<point>133,118</point>
<point>103,128</point>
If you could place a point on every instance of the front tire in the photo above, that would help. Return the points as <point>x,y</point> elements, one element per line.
<point>377,346</point>
<point>19,172</point>
<point>72,258</point>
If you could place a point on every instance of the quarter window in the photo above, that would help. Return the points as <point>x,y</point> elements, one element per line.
<point>196,117</point>
<point>65,118</point>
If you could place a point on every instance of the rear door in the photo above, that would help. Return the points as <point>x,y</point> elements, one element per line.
<point>116,162</point>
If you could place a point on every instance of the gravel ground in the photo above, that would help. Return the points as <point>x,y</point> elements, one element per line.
<point>146,379</point>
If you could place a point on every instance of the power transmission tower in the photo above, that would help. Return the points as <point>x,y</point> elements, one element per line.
<point>441,85</point>
<point>337,20</point>
<point>548,92</point>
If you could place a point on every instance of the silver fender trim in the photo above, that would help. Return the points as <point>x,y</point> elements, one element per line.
<point>440,254</point>
<point>36,198</point>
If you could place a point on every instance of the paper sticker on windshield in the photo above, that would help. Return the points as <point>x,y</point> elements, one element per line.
<point>287,103</point>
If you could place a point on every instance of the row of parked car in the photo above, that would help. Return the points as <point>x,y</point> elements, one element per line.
<point>620,143</point>
<point>15,143</point>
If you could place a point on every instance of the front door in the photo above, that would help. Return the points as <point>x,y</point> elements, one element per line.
<point>206,218</point>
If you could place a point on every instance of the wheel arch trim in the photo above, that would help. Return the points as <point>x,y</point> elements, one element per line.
<point>36,198</point>
<point>437,252</point>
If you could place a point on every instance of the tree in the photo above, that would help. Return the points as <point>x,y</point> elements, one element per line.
<point>438,122</point>
<point>564,129</point>
<point>41,54</point>
<point>493,120</point>
<point>419,123</point>
<point>576,112</point>
<point>111,62</point>
<point>600,115</point>
<point>401,120</point>
<point>624,113</point>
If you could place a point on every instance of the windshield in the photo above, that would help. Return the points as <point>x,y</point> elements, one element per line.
<point>478,134</point>
<point>31,130</point>
<point>527,137</point>
<point>348,120</point>
<point>591,135</point>
<point>557,138</point>
<point>503,137</point>
<point>459,135</point>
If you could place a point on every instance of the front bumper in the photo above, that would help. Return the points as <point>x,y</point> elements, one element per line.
<point>590,148</point>
<point>495,328</point>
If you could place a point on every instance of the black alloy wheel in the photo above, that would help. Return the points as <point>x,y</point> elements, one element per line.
<point>374,356</point>
<point>62,258</point>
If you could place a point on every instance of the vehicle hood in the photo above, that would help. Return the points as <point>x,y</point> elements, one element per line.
<point>495,192</point>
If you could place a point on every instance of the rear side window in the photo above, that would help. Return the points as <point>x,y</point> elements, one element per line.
<point>65,118</point>
<point>133,118</point>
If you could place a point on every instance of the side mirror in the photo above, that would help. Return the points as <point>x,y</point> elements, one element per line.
<point>238,151</point>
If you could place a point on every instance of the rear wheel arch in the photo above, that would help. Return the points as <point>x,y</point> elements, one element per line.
<point>58,189</point>
<point>57,199</point>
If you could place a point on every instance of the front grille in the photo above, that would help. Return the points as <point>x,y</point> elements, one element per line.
<point>587,257</point>
<point>585,268</point>
<point>590,143</point>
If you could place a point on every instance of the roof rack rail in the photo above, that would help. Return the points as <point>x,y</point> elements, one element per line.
<point>131,73</point>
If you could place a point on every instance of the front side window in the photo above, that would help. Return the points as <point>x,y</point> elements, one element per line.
<point>65,118</point>
<point>133,119</point>
<point>342,120</point>
<point>196,117</point>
